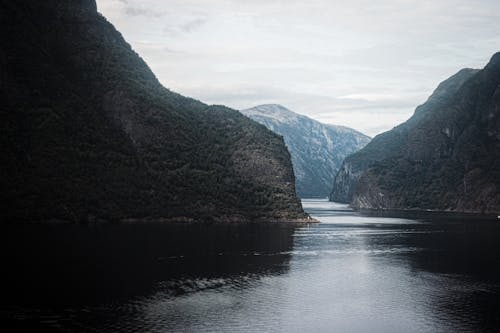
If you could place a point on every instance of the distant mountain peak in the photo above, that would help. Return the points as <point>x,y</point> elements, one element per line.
<point>276,111</point>
<point>317,149</point>
<point>271,107</point>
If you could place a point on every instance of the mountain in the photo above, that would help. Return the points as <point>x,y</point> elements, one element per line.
<point>445,157</point>
<point>89,133</point>
<point>390,143</point>
<point>317,149</point>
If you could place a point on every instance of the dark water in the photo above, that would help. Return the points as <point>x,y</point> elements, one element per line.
<point>348,274</point>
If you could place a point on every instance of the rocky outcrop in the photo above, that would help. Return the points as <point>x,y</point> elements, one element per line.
<point>317,149</point>
<point>445,157</point>
<point>89,134</point>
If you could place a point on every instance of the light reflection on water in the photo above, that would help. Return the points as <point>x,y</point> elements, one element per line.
<point>350,273</point>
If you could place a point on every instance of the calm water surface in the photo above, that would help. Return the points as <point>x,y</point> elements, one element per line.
<point>350,273</point>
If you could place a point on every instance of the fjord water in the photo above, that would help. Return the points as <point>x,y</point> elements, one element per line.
<point>349,273</point>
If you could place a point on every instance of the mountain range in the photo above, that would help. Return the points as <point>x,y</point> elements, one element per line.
<point>317,149</point>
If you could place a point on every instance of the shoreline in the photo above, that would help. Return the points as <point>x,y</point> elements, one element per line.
<point>177,221</point>
<point>425,213</point>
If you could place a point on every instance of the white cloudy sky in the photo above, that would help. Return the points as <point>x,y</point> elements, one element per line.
<point>360,63</point>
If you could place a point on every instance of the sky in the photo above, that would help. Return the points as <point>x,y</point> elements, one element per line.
<point>360,63</point>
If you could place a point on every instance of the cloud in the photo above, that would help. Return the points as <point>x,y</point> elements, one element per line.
<point>180,26</point>
<point>361,63</point>
<point>141,11</point>
<point>193,25</point>
<point>369,97</point>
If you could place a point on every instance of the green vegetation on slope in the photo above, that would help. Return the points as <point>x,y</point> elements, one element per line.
<point>89,133</point>
<point>445,157</point>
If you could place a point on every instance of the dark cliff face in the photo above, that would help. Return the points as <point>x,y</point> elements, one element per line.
<point>89,133</point>
<point>391,143</point>
<point>445,157</point>
<point>317,149</point>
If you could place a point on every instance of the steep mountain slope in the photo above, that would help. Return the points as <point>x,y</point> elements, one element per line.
<point>317,149</point>
<point>445,157</point>
<point>390,143</point>
<point>88,132</point>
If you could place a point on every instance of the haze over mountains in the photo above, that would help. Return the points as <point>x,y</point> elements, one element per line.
<point>445,157</point>
<point>317,149</point>
<point>89,134</point>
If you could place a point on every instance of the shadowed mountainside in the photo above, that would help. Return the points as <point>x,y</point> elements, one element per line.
<point>89,134</point>
<point>445,157</point>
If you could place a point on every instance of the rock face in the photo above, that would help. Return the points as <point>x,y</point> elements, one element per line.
<point>88,132</point>
<point>317,149</point>
<point>445,157</point>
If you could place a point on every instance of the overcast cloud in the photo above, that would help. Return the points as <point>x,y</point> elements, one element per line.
<point>362,64</point>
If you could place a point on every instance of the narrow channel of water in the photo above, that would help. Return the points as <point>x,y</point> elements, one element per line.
<point>350,273</point>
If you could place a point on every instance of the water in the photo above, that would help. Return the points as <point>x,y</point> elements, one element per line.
<point>349,273</point>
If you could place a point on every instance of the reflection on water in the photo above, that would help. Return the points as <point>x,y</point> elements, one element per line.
<point>350,273</point>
